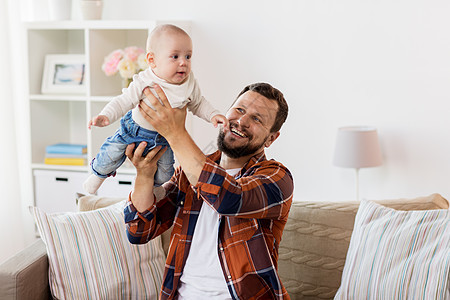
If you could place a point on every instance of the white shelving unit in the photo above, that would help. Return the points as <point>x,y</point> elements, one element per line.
<point>63,118</point>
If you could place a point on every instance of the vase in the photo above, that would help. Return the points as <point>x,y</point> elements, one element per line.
<point>91,9</point>
<point>60,9</point>
<point>126,82</point>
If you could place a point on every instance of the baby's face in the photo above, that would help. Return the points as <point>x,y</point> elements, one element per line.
<point>172,58</point>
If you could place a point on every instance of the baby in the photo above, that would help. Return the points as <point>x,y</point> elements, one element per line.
<point>169,51</point>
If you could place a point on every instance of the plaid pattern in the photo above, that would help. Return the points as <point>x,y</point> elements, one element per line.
<point>254,207</point>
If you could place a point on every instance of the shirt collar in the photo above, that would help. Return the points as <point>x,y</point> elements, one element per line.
<point>261,156</point>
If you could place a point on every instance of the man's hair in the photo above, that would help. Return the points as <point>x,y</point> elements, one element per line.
<point>158,31</point>
<point>271,93</point>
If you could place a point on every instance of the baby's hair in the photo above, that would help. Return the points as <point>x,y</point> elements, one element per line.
<point>160,30</point>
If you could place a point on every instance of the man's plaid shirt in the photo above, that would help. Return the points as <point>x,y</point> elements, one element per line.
<point>254,207</point>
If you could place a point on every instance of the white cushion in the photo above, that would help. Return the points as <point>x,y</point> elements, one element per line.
<point>397,255</point>
<point>90,256</point>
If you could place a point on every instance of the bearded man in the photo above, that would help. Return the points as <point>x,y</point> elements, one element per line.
<point>227,210</point>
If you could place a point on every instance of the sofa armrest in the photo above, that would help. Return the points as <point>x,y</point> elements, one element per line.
<point>25,275</point>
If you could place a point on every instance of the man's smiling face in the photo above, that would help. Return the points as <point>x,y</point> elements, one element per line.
<point>251,118</point>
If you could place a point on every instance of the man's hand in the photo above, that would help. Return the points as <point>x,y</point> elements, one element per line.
<point>168,121</point>
<point>100,121</point>
<point>146,167</point>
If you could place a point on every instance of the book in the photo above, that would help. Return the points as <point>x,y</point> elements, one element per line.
<point>66,148</point>
<point>65,161</point>
<point>65,155</point>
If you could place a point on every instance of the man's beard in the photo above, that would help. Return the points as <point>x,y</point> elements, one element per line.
<point>236,152</point>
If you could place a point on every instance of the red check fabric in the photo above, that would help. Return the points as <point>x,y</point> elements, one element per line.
<point>254,207</point>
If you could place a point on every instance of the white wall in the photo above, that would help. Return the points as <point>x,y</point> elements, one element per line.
<point>381,63</point>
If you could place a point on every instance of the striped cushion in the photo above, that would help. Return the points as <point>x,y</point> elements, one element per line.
<point>397,255</point>
<point>90,256</point>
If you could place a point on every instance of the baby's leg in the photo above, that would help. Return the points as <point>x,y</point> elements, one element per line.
<point>107,161</point>
<point>165,167</point>
<point>93,183</point>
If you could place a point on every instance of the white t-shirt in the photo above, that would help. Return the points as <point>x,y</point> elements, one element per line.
<point>202,276</point>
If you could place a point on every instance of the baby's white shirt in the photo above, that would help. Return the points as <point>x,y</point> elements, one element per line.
<point>178,96</point>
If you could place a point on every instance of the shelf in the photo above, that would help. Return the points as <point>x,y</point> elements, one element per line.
<point>60,167</point>
<point>102,98</point>
<point>103,24</point>
<point>42,97</point>
<point>81,98</point>
<point>122,170</point>
<point>91,24</point>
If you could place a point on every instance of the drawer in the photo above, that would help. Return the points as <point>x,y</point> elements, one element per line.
<point>117,186</point>
<point>55,191</point>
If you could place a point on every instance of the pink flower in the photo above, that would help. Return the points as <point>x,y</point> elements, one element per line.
<point>126,62</point>
<point>111,62</point>
<point>133,52</point>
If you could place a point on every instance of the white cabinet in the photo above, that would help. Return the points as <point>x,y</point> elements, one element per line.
<point>117,186</point>
<point>55,191</point>
<point>63,118</point>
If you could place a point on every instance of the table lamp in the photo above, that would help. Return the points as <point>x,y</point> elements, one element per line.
<point>357,147</point>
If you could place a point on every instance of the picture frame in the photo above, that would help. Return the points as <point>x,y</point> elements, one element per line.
<point>64,74</point>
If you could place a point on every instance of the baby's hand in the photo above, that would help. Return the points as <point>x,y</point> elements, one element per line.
<point>99,121</point>
<point>219,119</point>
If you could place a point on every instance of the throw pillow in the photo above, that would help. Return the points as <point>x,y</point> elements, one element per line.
<point>90,256</point>
<point>397,254</point>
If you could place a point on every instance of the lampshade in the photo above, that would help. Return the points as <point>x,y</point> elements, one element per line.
<point>357,147</point>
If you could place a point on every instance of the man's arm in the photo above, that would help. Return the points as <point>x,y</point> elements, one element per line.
<point>169,122</point>
<point>142,196</point>
<point>264,192</point>
<point>144,218</point>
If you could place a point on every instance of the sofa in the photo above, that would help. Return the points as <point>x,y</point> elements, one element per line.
<point>312,253</point>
